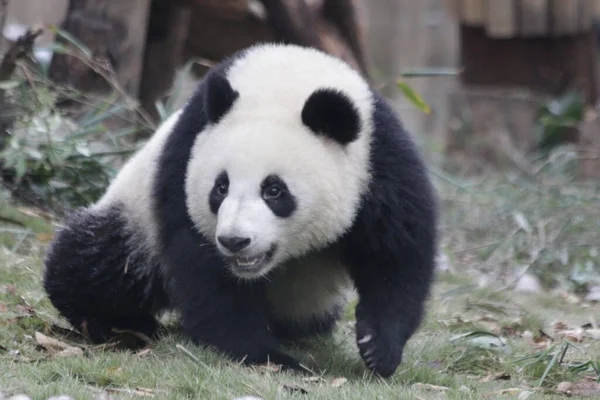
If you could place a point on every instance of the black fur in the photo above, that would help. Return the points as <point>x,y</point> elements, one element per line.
<point>331,113</point>
<point>389,250</point>
<point>97,274</point>
<point>284,203</point>
<point>218,192</point>
<point>219,97</point>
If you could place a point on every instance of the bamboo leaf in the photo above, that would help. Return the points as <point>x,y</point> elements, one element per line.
<point>413,96</point>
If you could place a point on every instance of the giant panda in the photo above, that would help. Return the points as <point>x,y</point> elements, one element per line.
<point>284,185</point>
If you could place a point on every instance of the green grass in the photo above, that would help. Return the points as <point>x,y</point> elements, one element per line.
<point>493,230</point>
<point>431,358</point>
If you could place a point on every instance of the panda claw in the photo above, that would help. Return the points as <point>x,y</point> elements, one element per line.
<point>365,339</point>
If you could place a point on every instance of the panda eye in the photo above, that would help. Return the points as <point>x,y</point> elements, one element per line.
<point>222,189</point>
<point>272,192</point>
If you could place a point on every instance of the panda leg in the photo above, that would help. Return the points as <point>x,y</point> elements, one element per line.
<point>390,251</point>
<point>96,281</point>
<point>392,274</point>
<point>217,309</point>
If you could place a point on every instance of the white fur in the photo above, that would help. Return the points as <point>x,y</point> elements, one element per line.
<point>133,185</point>
<point>263,134</point>
<point>309,286</point>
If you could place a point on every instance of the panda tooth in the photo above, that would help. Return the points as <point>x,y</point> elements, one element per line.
<point>246,262</point>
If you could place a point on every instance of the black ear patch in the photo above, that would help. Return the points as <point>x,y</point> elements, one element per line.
<point>331,113</point>
<point>219,97</point>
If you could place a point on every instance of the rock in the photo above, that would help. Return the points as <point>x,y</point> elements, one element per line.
<point>529,283</point>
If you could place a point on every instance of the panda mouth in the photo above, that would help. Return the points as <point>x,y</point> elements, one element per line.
<point>253,263</point>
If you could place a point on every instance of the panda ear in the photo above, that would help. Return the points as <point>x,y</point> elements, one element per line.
<point>218,97</point>
<point>331,113</point>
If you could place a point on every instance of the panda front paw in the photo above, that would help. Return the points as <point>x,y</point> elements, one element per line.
<point>380,343</point>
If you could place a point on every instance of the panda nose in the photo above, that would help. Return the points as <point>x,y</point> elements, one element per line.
<point>234,243</point>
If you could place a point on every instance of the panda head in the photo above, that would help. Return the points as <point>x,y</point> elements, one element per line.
<point>281,167</point>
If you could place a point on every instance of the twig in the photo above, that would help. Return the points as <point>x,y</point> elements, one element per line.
<point>192,356</point>
<point>103,69</point>
<point>22,47</point>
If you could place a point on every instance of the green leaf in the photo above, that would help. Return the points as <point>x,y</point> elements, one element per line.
<point>160,109</point>
<point>20,168</point>
<point>6,85</point>
<point>482,340</point>
<point>74,41</point>
<point>413,96</point>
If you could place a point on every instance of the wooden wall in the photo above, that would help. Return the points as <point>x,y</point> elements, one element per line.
<point>407,34</point>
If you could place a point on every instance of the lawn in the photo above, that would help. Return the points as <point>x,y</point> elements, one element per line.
<point>482,338</point>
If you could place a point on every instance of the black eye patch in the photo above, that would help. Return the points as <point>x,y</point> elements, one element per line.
<point>218,192</point>
<point>277,196</point>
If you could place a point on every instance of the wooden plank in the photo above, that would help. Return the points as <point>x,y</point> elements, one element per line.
<point>596,7</point>
<point>454,7</point>
<point>565,17</point>
<point>501,18</point>
<point>586,14</point>
<point>472,12</point>
<point>534,17</point>
<point>133,16</point>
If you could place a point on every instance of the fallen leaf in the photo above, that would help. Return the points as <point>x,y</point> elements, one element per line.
<point>294,388</point>
<point>312,379</point>
<point>270,367</point>
<point>138,391</point>
<point>575,335</point>
<point>114,370</point>
<point>44,237</point>
<point>143,353</point>
<point>571,298</point>
<point>511,391</point>
<point>71,351</point>
<point>3,308</point>
<point>581,388</point>
<point>429,386</point>
<point>502,376</point>
<point>482,339</point>
<point>129,339</point>
<point>560,326</point>
<point>49,343</point>
<point>592,334</point>
<point>541,343</point>
<point>491,307</point>
<point>337,382</point>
